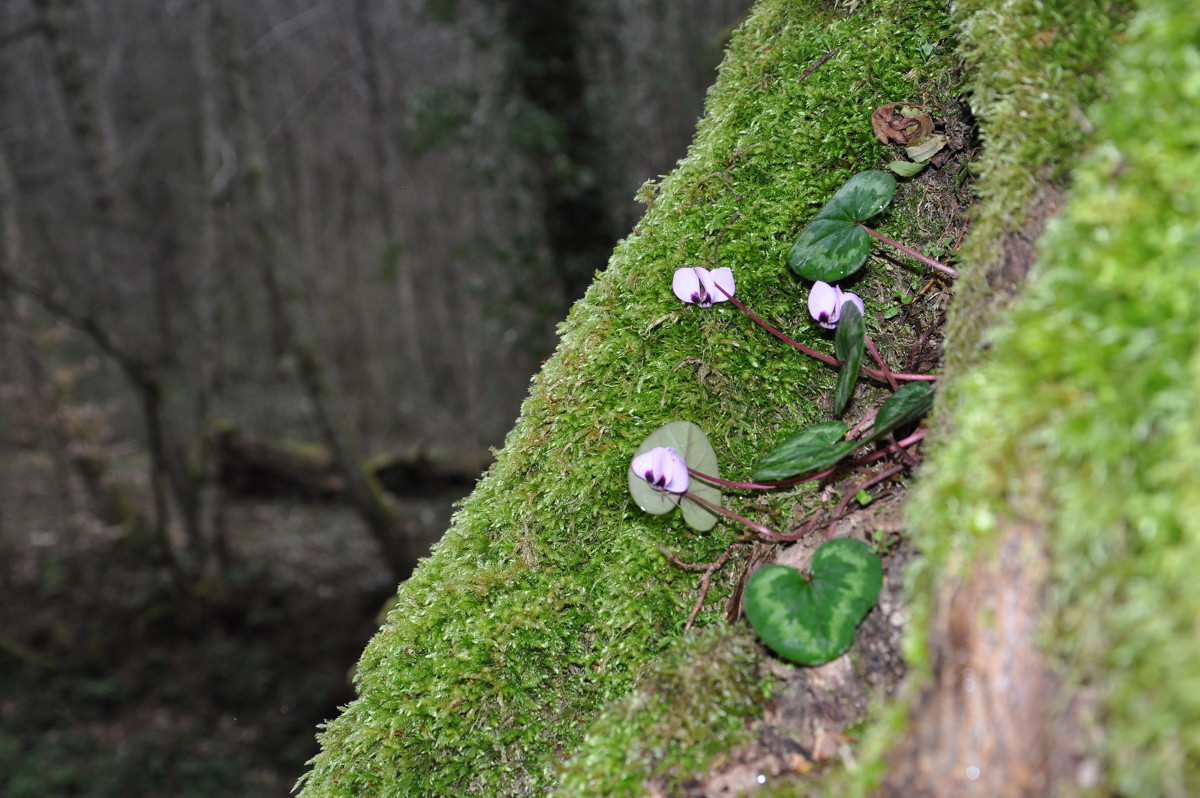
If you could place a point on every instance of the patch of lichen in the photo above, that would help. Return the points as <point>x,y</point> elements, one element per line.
<point>547,600</point>
<point>692,705</point>
<point>1083,416</point>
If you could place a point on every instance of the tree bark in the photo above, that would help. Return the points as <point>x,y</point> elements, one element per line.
<point>400,539</point>
<point>545,67</point>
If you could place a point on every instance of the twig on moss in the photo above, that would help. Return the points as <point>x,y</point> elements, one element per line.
<point>820,62</point>
<point>720,235</point>
<point>709,569</point>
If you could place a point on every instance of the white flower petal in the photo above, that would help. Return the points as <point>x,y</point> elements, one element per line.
<point>686,285</point>
<point>824,304</point>
<point>724,278</point>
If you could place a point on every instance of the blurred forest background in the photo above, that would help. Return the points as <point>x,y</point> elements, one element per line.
<point>274,276</point>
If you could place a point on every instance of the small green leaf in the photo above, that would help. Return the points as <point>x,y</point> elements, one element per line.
<point>848,345</point>
<point>833,245</point>
<point>690,443</point>
<point>811,621</point>
<point>863,498</point>
<point>906,168</point>
<point>812,449</point>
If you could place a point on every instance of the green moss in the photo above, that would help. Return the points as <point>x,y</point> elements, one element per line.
<point>1083,417</point>
<point>1033,67</point>
<point>691,706</point>
<point>547,601</point>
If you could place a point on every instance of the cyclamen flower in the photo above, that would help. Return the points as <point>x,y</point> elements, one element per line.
<point>697,285</point>
<point>825,303</point>
<point>663,469</point>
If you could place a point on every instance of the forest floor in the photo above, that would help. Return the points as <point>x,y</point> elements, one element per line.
<point>114,683</point>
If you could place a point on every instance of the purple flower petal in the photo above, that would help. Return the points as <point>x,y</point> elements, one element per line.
<point>825,304</point>
<point>686,285</point>
<point>696,285</point>
<point>662,469</point>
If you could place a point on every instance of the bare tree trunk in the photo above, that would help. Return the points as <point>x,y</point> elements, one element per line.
<point>545,66</point>
<point>80,100</point>
<point>400,539</point>
<point>49,423</point>
<point>387,181</point>
<point>209,519</point>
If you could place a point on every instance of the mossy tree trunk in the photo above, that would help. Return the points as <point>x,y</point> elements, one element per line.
<point>1053,605</point>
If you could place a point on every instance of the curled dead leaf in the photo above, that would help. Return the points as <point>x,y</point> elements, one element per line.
<point>901,123</point>
<point>926,148</point>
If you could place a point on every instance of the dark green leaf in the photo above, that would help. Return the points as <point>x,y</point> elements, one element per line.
<point>829,249</point>
<point>833,245</point>
<point>812,449</point>
<point>863,196</point>
<point>690,443</point>
<point>811,621</point>
<point>903,407</point>
<point>848,345</point>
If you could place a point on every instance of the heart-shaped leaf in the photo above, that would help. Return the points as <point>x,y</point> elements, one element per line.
<point>833,245</point>
<point>829,249</point>
<point>690,443</point>
<point>811,621</point>
<point>848,345</point>
<point>812,449</point>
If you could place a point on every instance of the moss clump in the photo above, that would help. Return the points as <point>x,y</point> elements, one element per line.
<point>688,708</point>
<point>1084,419</point>
<point>547,600</point>
<point>1033,67</point>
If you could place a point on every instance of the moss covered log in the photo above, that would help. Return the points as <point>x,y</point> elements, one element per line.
<point>547,599</point>
<point>539,649</point>
<point>1069,462</point>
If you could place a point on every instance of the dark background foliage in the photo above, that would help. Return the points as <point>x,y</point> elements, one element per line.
<point>273,277</point>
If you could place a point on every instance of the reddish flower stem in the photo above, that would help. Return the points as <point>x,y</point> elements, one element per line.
<point>832,361</point>
<point>883,366</point>
<point>727,483</point>
<point>912,253</point>
<point>716,508</point>
<point>806,350</point>
<point>895,447</point>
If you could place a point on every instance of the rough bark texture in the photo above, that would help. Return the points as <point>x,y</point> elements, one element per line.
<point>995,720</point>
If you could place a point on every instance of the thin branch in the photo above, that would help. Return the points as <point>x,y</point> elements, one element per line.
<point>709,569</point>
<point>820,62</point>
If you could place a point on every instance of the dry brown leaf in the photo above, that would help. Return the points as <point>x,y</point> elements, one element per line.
<point>901,123</point>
